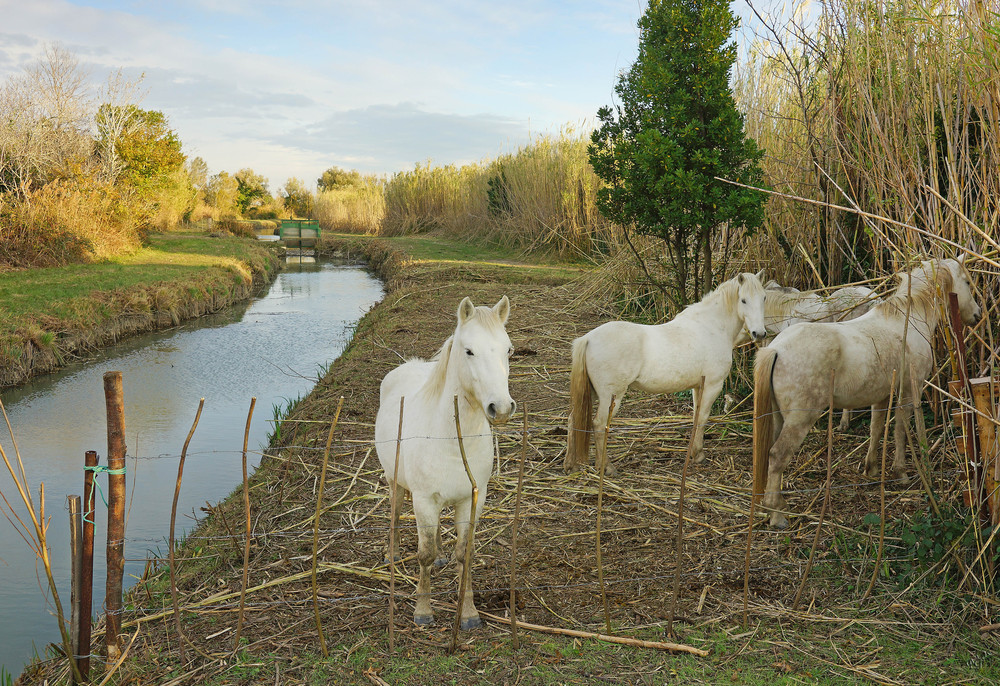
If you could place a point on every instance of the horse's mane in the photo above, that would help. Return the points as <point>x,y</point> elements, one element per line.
<point>727,292</point>
<point>482,315</point>
<point>781,302</point>
<point>920,286</point>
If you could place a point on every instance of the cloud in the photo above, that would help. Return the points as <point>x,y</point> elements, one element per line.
<point>389,137</point>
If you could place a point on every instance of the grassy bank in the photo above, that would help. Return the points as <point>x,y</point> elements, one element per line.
<point>51,315</point>
<point>927,632</point>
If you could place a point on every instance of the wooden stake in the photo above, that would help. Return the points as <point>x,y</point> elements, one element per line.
<point>393,514</point>
<point>87,564</point>
<point>826,494</point>
<point>463,584</point>
<point>75,546</point>
<point>319,508</point>
<point>513,535</point>
<point>600,503</point>
<point>881,532</point>
<point>246,542</point>
<point>115,403</point>
<point>173,520</point>
<point>679,544</point>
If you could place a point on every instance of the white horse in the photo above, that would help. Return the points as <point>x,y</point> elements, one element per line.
<point>785,306</point>
<point>792,374</point>
<point>664,358</point>
<point>473,364</point>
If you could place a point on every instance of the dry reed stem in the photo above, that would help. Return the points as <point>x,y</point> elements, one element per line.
<point>470,535</point>
<point>246,543</point>
<point>319,507</point>
<point>679,543</point>
<point>826,494</point>
<point>881,530</point>
<point>600,503</point>
<point>515,641</point>
<point>393,525</point>
<point>173,520</point>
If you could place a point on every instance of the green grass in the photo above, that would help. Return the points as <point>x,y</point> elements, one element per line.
<point>41,304</point>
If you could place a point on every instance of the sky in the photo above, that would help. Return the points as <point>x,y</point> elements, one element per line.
<point>290,88</point>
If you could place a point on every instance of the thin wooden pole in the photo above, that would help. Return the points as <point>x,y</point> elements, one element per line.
<point>319,509</point>
<point>87,564</point>
<point>115,402</point>
<point>392,533</point>
<point>679,543</point>
<point>881,492</point>
<point>463,584</point>
<point>246,541</point>
<point>826,494</point>
<point>173,521</point>
<point>513,535</point>
<point>600,506</point>
<point>75,545</point>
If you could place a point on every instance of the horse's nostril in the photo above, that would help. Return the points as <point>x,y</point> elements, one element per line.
<point>491,410</point>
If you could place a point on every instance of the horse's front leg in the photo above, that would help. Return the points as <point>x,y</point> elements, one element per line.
<point>467,608</point>
<point>845,421</point>
<point>879,413</point>
<point>428,516</point>
<point>899,433</point>
<point>703,405</point>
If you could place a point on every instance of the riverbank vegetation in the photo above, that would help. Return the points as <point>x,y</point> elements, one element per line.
<point>54,314</point>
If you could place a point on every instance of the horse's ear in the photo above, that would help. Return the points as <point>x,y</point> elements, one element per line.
<point>760,275</point>
<point>465,310</point>
<point>502,309</point>
<point>739,279</point>
<point>961,258</point>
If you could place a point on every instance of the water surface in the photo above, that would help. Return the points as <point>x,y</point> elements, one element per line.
<point>271,349</point>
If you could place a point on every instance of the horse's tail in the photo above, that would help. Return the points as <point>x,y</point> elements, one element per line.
<point>763,417</point>
<point>581,421</point>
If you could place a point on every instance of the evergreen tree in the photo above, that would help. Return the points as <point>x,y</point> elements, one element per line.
<point>676,129</point>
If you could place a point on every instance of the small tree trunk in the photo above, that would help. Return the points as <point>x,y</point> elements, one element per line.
<point>706,243</point>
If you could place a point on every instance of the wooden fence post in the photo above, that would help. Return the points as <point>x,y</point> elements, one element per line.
<point>87,564</point>
<point>114,399</point>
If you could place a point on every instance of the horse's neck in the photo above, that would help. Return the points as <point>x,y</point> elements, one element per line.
<point>925,312</point>
<point>439,398</point>
<point>713,311</point>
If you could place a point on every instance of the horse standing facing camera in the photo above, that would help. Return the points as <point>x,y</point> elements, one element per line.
<point>473,364</point>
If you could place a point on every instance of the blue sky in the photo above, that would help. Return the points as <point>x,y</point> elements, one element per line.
<point>291,88</point>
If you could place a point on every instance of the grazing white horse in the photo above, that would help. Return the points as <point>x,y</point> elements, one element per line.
<point>473,364</point>
<point>792,374</point>
<point>663,358</point>
<point>786,306</point>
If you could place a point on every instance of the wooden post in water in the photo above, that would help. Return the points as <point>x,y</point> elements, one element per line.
<point>73,501</point>
<point>114,399</point>
<point>87,564</point>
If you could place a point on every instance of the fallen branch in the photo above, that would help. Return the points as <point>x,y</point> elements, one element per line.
<point>635,642</point>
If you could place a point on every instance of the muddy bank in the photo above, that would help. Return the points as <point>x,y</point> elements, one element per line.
<point>139,310</point>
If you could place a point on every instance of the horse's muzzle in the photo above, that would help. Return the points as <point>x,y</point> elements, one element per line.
<point>500,413</point>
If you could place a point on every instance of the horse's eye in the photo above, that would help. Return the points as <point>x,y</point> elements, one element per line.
<point>743,300</point>
<point>468,352</point>
<point>510,351</point>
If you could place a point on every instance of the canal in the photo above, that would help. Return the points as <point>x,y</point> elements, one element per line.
<point>272,348</point>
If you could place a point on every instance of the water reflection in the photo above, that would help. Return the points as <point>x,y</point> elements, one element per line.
<point>271,350</point>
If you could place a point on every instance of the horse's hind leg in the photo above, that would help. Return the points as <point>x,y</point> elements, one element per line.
<point>442,559</point>
<point>604,409</point>
<point>428,517</point>
<point>467,608</point>
<point>793,431</point>
<point>845,421</point>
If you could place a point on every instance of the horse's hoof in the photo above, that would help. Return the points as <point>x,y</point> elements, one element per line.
<point>423,620</point>
<point>441,562</point>
<point>470,623</point>
<point>779,522</point>
<point>610,470</point>
<point>699,457</point>
<point>395,558</point>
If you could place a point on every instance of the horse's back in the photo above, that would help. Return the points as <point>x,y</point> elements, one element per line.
<point>403,381</point>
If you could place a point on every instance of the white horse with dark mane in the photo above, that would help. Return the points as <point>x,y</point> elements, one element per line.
<point>792,374</point>
<point>662,358</point>
<point>473,364</point>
